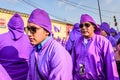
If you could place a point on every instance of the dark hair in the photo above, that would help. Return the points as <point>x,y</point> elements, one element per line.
<point>118,42</point>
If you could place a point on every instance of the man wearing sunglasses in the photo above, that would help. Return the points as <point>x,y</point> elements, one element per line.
<point>49,60</point>
<point>93,55</point>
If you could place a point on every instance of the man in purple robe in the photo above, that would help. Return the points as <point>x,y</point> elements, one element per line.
<point>93,55</point>
<point>49,60</point>
<point>74,35</point>
<point>15,48</point>
<point>114,33</point>
<point>105,31</point>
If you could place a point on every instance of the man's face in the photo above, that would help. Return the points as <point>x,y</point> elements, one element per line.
<point>113,34</point>
<point>103,33</point>
<point>87,29</point>
<point>36,33</point>
<point>118,47</point>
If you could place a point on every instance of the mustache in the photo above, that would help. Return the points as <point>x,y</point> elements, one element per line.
<point>83,31</point>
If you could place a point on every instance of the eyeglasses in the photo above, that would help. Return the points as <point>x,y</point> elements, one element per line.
<point>85,24</point>
<point>32,29</point>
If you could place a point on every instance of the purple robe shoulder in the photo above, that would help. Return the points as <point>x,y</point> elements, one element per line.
<point>14,55</point>
<point>97,57</point>
<point>54,63</point>
<point>117,37</point>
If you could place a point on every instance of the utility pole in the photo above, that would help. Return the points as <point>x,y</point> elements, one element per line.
<point>99,11</point>
<point>115,23</point>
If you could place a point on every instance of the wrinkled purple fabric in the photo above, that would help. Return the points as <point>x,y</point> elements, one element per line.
<point>112,40</point>
<point>97,56</point>
<point>54,62</point>
<point>15,48</point>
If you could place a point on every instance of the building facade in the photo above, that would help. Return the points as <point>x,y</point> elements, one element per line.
<point>59,28</point>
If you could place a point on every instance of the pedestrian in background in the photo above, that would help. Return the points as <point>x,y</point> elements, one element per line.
<point>49,60</point>
<point>105,31</point>
<point>114,33</point>
<point>93,55</point>
<point>117,56</point>
<point>15,48</point>
<point>74,35</point>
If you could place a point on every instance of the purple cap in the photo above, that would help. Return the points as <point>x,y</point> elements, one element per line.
<point>40,18</point>
<point>76,25</point>
<point>88,18</point>
<point>105,26</point>
<point>112,30</point>
<point>16,23</point>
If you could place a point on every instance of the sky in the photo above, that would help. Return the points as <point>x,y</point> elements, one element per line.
<point>69,10</point>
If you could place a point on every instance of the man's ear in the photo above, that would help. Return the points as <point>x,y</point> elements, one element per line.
<point>94,27</point>
<point>47,33</point>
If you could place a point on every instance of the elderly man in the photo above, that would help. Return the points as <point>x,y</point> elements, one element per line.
<point>93,55</point>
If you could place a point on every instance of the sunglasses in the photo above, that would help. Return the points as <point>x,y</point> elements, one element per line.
<point>32,29</point>
<point>85,24</point>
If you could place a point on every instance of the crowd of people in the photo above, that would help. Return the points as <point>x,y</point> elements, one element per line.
<point>92,51</point>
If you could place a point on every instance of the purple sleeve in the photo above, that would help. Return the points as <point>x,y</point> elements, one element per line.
<point>61,65</point>
<point>69,45</point>
<point>110,63</point>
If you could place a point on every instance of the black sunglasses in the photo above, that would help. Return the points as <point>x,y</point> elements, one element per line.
<point>85,24</point>
<point>32,29</point>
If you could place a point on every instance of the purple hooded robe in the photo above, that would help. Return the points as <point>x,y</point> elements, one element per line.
<point>116,36</point>
<point>74,35</point>
<point>14,49</point>
<point>105,26</point>
<point>96,57</point>
<point>53,61</point>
